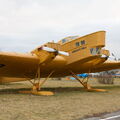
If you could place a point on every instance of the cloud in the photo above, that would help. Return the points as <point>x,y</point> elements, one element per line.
<point>25,24</point>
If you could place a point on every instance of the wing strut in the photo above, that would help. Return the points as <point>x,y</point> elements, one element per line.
<point>85,83</point>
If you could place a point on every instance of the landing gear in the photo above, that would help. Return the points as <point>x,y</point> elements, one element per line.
<point>85,83</point>
<point>37,84</point>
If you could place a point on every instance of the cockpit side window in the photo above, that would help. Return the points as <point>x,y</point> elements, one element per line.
<point>95,51</point>
<point>77,44</point>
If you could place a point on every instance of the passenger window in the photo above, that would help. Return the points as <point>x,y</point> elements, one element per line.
<point>83,42</point>
<point>77,44</point>
<point>98,50</point>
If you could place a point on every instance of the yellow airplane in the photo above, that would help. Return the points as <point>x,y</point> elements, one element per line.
<point>70,56</point>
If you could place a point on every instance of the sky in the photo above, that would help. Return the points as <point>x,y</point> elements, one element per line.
<point>27,24</point>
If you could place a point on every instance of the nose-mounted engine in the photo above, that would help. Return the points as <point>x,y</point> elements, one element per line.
<point>46,54</point>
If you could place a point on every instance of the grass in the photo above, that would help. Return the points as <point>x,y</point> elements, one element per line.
<point>70,102</point>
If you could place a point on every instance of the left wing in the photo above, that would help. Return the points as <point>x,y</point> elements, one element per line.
<point>17,65</point>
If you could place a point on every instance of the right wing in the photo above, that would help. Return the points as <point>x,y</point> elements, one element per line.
<point>107,65</point>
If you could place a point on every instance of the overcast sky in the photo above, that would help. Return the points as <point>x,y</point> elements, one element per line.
<point>26,24</point>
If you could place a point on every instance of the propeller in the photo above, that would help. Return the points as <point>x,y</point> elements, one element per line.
<point>55,51</point>
<point>113,56</point>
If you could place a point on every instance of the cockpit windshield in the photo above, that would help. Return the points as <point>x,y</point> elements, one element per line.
<point>70,38</point>
<point>73,37</point>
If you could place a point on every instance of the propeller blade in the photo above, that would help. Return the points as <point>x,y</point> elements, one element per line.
<point>115,58</point>
<point>112,54</point>
<point>63,53</point>
<point>48,49</point>
<point>112,58</point>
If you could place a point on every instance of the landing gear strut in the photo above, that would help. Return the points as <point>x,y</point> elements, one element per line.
<point>85,83</point>
<point>37,84</point>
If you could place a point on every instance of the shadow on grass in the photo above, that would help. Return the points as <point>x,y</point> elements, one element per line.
<point>56,89</point>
